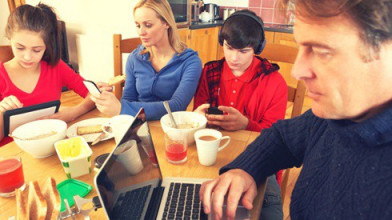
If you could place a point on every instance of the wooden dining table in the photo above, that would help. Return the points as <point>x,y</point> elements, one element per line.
<point>40,169</point>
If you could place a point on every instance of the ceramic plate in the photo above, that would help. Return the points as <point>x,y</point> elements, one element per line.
<point>71,131</point>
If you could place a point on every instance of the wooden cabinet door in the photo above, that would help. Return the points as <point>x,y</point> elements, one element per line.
<point>285,39</point>
<point>205,42</point>
<point>269,36</point>
<point>183,32</point>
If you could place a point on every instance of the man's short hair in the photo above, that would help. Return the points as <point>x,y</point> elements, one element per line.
<point>373,17</point>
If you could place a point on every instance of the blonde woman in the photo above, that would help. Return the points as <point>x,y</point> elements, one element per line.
<point>160,69</point>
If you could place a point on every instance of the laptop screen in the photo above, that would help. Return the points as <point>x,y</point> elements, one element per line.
<point>131,166</point>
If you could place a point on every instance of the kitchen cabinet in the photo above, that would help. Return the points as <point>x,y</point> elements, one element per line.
<point>285,39</point>
<point>183,32</point>
<point>204,41</point>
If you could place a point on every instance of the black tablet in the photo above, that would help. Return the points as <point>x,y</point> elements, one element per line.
<point>16,117</point>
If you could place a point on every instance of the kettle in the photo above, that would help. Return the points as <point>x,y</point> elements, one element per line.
<point>213,9</point>
<point>205,17</point>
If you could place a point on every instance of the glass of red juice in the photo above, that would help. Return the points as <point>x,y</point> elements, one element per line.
<point>11,175</point>
<point>176,146</point>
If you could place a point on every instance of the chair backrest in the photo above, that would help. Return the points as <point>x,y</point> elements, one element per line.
<point>121,46</point>
<point>5,53</point>
<point>287,54</point>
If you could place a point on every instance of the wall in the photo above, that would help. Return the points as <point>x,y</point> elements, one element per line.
<point>229,3</point>
<point>268,10</point>
<point>4,12</point>
<point>92,23</point>
<point>90,28</point>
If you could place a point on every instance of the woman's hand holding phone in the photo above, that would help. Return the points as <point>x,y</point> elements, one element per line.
<point>92,87</point>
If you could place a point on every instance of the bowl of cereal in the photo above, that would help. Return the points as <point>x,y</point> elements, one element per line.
<point>187,122</point>
<point>37,138</point>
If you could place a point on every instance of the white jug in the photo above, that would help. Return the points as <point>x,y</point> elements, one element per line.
<point>205,17</point>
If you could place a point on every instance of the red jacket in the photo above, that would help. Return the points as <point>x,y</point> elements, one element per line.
<point>265,94</point>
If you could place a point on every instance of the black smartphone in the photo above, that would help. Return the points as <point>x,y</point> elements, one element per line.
<point>214,111</point>
<point>92,87</point>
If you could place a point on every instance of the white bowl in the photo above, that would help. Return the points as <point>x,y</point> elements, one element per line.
<point>197,121</point>
<point>39,147</point>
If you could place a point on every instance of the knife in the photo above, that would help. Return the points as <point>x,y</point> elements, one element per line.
<point>99,138</point>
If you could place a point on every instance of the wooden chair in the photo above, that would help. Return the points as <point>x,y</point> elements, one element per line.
<point>121,46</point>
<point>5,53</point>
<point>296,95</point>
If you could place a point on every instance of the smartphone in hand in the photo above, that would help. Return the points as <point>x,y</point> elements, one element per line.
<point>92,87</point>
<point>214,111</point>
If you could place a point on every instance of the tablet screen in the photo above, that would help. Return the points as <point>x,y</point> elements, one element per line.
<point>16,117</point>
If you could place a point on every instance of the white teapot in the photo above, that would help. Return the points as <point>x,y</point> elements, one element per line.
<point>205,16</point>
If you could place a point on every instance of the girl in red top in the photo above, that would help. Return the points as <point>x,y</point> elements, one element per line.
<point>248,89</point>
<point>36,74</point>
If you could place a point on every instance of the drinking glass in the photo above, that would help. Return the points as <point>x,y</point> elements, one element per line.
<point>176,146</point>
<point>11,175</point>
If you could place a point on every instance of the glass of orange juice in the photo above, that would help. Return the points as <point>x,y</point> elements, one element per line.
<point>11,175</point>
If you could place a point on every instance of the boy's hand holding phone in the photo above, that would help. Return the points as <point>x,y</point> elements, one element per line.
<point>214,111</point>
<point>231,120</point>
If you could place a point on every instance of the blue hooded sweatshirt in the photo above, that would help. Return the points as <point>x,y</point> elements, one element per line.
<point>175,83</point>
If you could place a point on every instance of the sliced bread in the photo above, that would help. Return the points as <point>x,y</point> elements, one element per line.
<point>22,209</point>
<point>52,198</point>
<point>36,202</point>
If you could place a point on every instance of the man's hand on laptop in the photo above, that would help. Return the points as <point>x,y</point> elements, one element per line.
<point>235,183</point>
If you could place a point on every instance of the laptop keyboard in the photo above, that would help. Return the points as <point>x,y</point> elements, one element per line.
<point>183,202</point>
<point>131,203</point>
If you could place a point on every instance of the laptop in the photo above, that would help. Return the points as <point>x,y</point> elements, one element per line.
<point>130,184</point>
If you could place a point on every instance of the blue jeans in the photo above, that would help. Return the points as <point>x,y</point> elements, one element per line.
<point>272,204</point>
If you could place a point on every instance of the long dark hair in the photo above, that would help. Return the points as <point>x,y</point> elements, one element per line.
<point>40,19</point>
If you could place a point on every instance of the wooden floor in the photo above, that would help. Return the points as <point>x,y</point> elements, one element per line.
<point>294,172</point>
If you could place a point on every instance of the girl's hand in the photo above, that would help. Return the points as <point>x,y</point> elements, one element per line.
<point>10,102</point>
<point>232,120</point>
<point>68,114</point>
<point>107,103</point>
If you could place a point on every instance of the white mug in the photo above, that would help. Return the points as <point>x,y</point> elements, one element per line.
<point>207,144</point>
<point>118,125</point>
<point>129,157</point>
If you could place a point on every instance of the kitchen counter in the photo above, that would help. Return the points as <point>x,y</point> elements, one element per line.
<point>285,28</point>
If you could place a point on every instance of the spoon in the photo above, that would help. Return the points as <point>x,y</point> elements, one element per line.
<point>167,107</point>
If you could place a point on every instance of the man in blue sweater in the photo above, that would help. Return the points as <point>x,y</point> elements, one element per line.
<point>345,142</point>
